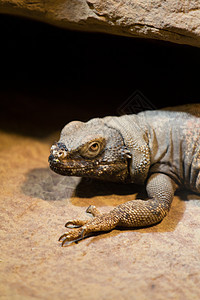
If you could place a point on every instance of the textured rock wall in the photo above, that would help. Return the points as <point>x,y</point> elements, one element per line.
<point>175,21</point>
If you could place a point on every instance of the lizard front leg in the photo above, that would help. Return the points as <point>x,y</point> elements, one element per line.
<point>160,189</point>
<point>136,213</point>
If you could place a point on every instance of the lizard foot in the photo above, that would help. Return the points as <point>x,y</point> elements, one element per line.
<point>78,223</point>
<point>73,236</point>
<point>82,228</point>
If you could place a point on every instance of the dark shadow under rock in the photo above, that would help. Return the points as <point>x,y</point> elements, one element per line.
<point>47,185</point>
<point>44,184</point>
<point>88,188</point>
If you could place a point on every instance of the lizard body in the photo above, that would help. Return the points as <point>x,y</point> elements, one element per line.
<point>160,149</point>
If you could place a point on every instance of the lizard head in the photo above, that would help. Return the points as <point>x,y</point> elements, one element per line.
<point>91,149</point>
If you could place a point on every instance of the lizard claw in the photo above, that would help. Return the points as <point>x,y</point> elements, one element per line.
<point>75,223</point>
<point>90,209</point>
<point>62,236</point>
<point>73,236</point>
<point>70,224</point>
<point>93,210</point>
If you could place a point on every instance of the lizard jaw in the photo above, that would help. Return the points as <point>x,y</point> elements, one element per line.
<point>68,168</point>
<point>95,170</point>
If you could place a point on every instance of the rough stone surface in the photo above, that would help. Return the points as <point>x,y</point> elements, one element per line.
<point>175,21</point>
<point>160,262</point>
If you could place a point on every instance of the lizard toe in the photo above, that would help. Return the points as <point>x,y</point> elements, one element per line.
<point>93,210</point>
<point>72,236</point>
<point>75,223</point>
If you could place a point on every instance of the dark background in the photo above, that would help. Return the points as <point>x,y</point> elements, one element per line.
<point>50,76</point>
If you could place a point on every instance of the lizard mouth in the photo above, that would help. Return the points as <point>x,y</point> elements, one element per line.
<point>69,167</point>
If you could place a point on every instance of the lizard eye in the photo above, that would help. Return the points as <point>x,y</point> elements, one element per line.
<point>91,150</point>
<point>94,147</point>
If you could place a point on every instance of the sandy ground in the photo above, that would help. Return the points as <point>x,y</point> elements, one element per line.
<point>160,262</point>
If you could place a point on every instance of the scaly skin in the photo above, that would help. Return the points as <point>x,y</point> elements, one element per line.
<point>158,148</point>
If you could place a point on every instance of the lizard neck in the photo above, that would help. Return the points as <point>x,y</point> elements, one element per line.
<point>135,137</point>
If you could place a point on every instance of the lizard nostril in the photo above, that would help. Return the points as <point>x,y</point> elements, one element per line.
<point>61,154</point>
<point>61,146</point>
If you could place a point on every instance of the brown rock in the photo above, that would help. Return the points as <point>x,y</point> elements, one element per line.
<point>175,21</point>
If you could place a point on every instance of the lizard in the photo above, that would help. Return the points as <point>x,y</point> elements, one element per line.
<point>156,148</point>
